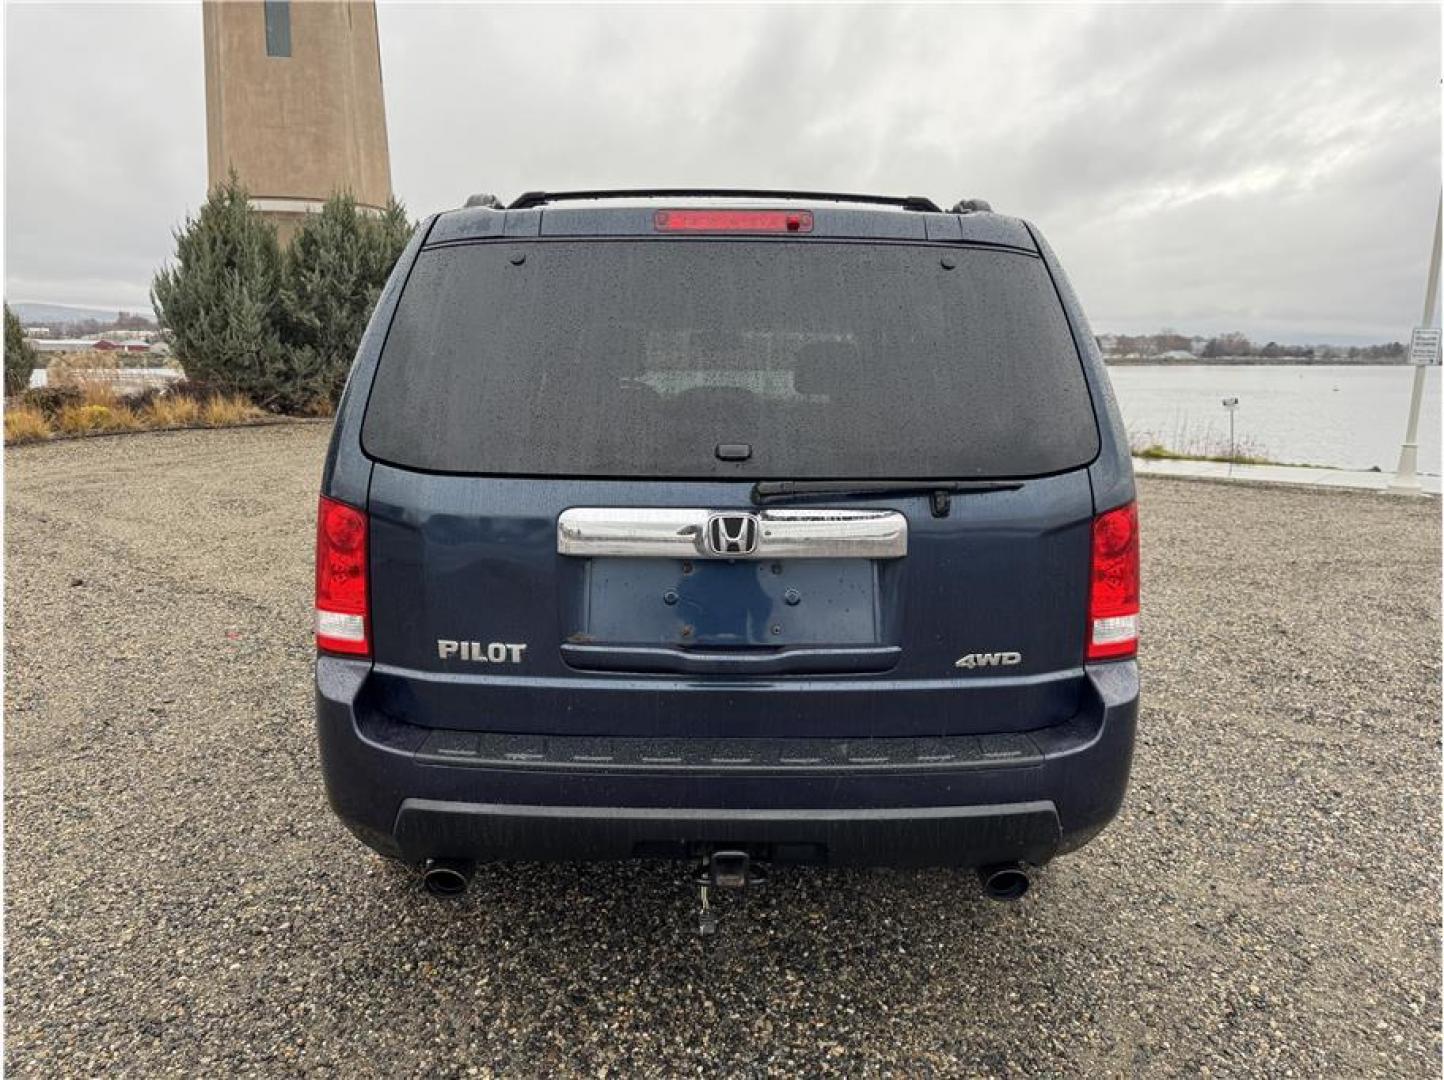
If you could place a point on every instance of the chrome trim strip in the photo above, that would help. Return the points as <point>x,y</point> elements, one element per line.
<point>678,533</point>
<point>804,660</point>
<point>833,534</point>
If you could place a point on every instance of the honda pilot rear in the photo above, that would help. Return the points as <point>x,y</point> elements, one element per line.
<point>741,528</point>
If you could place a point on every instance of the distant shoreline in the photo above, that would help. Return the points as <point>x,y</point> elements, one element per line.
<point>1247,361</point>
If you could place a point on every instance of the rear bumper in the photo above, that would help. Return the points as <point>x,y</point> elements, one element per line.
<point>416,793</point>
<point>901,836</point>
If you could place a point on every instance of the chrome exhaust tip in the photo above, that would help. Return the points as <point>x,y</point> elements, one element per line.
<point>1005,881</point>
<point>447,877</point>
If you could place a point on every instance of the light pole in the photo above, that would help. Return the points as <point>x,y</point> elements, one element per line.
<point>1406,477</point>
<point>1231,404</point>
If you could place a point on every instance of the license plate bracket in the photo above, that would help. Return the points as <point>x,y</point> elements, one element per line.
<point>715,603</point>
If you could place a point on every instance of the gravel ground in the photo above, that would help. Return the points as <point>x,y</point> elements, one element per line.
<point>179,898</point>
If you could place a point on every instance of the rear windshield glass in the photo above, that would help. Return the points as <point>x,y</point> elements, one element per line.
<point>639,358</point>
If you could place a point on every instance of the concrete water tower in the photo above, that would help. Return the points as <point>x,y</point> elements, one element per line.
<point>294,103</point>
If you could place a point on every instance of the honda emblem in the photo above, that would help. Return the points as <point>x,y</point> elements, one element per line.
<point>731,534</point>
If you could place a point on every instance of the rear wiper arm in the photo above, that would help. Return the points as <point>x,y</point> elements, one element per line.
<point>940,490</point>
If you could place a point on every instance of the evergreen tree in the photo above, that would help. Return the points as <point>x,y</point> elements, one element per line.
<point>220,303</point>
<point>19,355</point>
<point>335,268</point>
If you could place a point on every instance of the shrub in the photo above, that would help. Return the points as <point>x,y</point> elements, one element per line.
<point>142,399</point>
<point>78,419</point>
<point>219,300</point>
<point>96,408</point>
<point>192,389</point>
<point>19,355</point>
<point>98,393</point>
<point>122,417</point>
<point>335,268</point>
<point>50,400</point>
<point>116,413</point>
<point>280,328</point>
<point>25,423</point>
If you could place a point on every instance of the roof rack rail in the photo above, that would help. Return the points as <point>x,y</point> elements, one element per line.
<point>907,202</point>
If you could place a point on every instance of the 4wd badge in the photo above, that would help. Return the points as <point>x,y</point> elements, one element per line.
<point>989,659</point>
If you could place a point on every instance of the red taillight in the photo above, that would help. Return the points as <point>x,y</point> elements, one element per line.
<point>793,221</point>
<point>341,594</point>
<point>1113,594</point>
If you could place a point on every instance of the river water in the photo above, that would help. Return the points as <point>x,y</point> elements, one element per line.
<point>1350,417</point>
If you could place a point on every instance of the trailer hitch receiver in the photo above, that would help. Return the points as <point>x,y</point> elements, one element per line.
<point>731,870</point>
<point>723,870</point>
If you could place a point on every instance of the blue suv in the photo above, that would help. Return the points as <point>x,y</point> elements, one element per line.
<point>742,527</point>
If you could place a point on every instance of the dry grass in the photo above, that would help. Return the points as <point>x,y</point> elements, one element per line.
<point>101,410</point>
<point>86,419</point>
<point>1155,452</point>
<point>68,369</point>
<point>175,412</point>
<point>98,393</point>
<point>1198,443</point>
<point>319,408</point>
<point>225,410</point>
<point>79,419</point>
<point>24,424</point>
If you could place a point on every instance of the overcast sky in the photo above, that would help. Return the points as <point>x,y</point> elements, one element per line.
<point>1270,169</point>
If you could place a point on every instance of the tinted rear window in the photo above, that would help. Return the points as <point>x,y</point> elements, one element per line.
<point>625,358</point>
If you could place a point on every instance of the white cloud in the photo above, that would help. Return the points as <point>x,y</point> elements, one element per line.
<point>1266,168</point>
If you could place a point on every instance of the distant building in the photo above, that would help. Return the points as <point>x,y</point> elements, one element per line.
<point>67,345</point>
<point>294,104</point>
<point>62,344</point>
<point>107,345</point>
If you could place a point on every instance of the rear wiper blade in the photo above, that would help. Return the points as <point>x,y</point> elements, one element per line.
<point>940,490</point>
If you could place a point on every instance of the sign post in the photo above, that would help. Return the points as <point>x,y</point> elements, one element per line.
<point>1423,353</point>
<point>1231,404</point>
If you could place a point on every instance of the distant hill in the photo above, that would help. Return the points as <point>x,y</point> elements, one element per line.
<point>30,312</point>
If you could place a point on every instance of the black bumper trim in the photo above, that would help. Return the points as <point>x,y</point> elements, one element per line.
<point>782,755</point>
<point>896,836</point>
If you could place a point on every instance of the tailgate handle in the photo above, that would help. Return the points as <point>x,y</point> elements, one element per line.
<point>681,533</point>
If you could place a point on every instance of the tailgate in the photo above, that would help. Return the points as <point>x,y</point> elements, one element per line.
<point>604,607</point>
